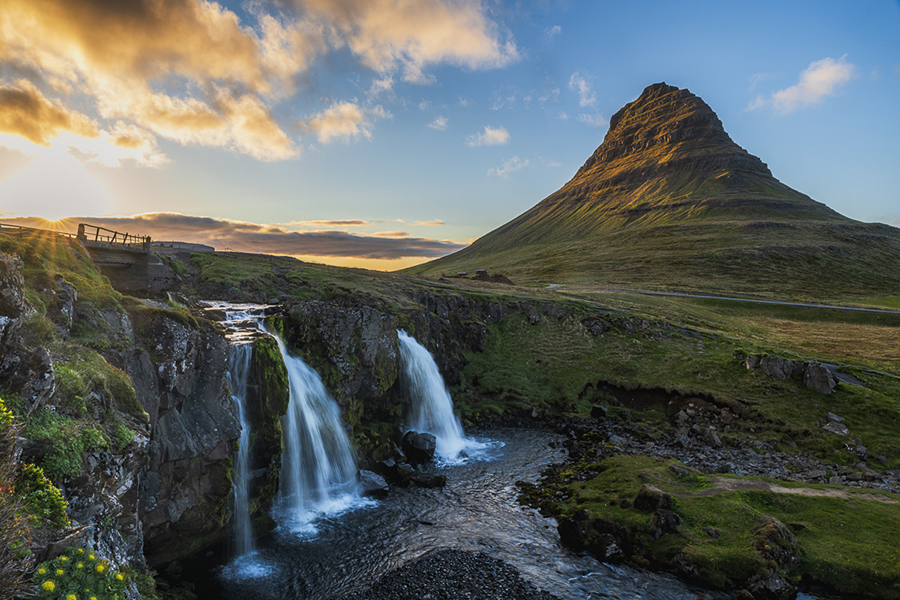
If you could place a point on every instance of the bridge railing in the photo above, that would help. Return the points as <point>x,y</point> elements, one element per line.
<point>94,233</point>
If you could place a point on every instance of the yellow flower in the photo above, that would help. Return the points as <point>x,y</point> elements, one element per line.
<point>71,597</point>
<point>63,558</point>
<point>79,566</point>
<point>42,571</point>
<point>101,567</point>
<point>60,572</point>
<point>120,577</point>
<point>48,586</point>
<point>81,551</point>
<point>93,597</point>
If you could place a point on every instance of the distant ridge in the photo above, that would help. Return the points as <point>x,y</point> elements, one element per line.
<point>669,201</point>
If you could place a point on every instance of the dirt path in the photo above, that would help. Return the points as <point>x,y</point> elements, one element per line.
<point>727,484</point>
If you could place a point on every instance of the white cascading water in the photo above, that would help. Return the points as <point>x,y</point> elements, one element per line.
<point>318,466</point>
<point>238,375</point>
<point>432,407</point>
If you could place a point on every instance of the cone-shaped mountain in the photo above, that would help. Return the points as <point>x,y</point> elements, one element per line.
<point>669,200</point>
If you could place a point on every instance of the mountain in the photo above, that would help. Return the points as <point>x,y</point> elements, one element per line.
<point>670,201</point>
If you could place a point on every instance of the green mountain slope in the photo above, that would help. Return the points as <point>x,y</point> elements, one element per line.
<point>670,201</point>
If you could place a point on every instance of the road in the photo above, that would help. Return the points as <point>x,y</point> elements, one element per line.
<point>776,302</point>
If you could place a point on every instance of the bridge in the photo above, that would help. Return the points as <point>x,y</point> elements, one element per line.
<point>126,259</point>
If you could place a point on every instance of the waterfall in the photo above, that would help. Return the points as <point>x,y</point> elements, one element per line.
<point>238,375</point>
<point>432,407</point>
<point>318,466</point>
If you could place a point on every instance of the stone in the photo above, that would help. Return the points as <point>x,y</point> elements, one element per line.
<point>427,480</point>
<point>598,411</point>
<point>617,440</point>
<point>650,498</point>
<point>372,485</point>
<point>819,378</point>
<point>837,428</point>
<point>712,438</point>
<point>664,521</point>
<point>418,447</point>
<point>834,418</point>
<point>778,368</point>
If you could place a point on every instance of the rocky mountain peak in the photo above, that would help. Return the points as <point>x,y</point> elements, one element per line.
<point>667,124</point>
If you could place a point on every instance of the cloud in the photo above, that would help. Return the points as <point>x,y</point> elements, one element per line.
<point>435,223</point>
<point>389,35</point>
<point>501,98</point>
<point>344,121</point>
<point>241,236</point>
<point>335,223</point>
<point>759,78</point>
<point>489,137</point>
<point>595,120</point>
<point>509,166</point>
<point>440,124</point>
<point>586,96</point>
<point>563,116</point>
<point>194,72</point>
<point>26,112</point>
<point>549,96</point>
<point>822,78</point>
<point>891,219</point>
<point>552,32</point>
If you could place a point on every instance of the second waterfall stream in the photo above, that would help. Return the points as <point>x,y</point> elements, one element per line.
<point>318,466</point>
<point>431,405</point>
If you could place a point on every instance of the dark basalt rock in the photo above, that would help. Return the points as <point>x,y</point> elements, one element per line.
<point>650,498</point>
<point>419,447</point>
<point>372,485</point>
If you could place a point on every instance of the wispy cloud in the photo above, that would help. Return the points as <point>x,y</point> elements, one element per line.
<point>260,238</point>
<point>333,223</point>
<point>435,223</point>
<point>821,79</point>
<point>552,32</point>
<point>579,84</point>
<point>759,78</point>
<point>508,166</point>
<point>562,116</point>
<point>440,124</point>
<point>595,120</point>
<point>489,137</point>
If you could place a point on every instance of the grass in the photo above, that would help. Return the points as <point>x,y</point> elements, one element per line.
<point>558,364</point>
<point>847,543</point>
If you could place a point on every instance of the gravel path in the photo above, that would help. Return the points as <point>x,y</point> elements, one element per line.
<point>452,575</point>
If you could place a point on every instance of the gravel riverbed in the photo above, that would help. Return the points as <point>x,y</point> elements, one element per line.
<point>452,575</point>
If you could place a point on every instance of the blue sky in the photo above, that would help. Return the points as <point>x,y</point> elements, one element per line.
<point>387,132</point>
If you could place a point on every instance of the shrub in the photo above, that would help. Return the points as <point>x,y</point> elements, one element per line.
<point>79,574</point>
<point>13,524</point>
<point>43,501</point>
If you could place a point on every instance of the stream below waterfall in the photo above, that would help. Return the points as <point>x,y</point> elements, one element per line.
<point>475,511</point>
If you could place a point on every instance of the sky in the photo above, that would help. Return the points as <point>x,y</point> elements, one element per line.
<point>384,133</point>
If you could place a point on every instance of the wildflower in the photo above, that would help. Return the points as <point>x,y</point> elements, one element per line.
<point>120,577</point>
<point>42,571</point>
<point>101,567</point>
<point>48,586</point>
<point>60,572</point>
<point>90,557</point>
<point>63,558</point>
<point>79,566</point>
<point>93,598</point>
<point>81,551</point>
<point>71,597</point>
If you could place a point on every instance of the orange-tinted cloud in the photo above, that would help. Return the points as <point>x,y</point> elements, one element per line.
<point>194,72</point>
<point>411,34</point>
<point>252,237</point>
<point>25,111</point>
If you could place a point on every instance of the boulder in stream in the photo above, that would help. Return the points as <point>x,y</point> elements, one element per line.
<point>419,447</point>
